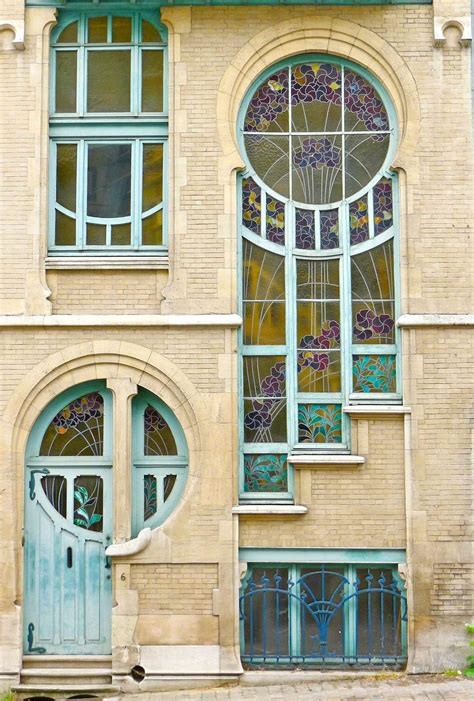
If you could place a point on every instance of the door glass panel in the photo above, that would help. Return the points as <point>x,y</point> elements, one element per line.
<point>89,502</point>
<point>66,81</point>
<point>108,81</point>
<point>78,429</point>
<point>55,488</point>
<point>168,485</point>
<point>150,500</point>
<point>152,81</point>
<point>109,180</point>
<point>158,436</point>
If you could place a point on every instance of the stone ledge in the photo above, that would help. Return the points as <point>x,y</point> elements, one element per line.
<point>409,321</point>
<point>376,409</point>
<point>225,320</point>
<point>272,509</point>
<point>107,263</point>
<point>310,460</point>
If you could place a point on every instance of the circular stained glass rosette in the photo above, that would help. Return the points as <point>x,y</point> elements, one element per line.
<point>316,132</point>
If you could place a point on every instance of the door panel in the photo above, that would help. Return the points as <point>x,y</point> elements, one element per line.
<point>68,588</point>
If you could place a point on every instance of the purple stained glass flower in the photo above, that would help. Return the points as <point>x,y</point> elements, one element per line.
<point>268,102</point>
<point>304,229</point>
<point>383,205</point>
<point>79,411</point>
<point>316,153</point>
<point>369,325</point>
<point>363,101</point>
<point>329,338</point>
<point>153,420</point>
<point>359,220</point>
<point>259,417</point>
<point>273,385</point>
<point>329,223</point>
<point>251,205</point>
<point>316,81</point>
<point>275,221</point>
<point>310,359</point>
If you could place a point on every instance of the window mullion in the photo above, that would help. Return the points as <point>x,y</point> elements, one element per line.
<point>291,372</point>
<point>81,209</point>
<point>136,194</point>
<point>350,614</point>
<point>346,317</point>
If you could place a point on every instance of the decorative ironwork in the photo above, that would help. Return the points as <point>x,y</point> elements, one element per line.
<point>78,429</point>
<point>323,617</point>
<point>31,483</point>
<point>30,640</point>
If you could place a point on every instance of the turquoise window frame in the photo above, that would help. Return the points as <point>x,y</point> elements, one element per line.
<point>294,560</point>
<point>134,127</point>
<point>344,253</point>
<point>154,464</point>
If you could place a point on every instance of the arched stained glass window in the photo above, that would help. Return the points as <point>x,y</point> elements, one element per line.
<point>78,429</point>
<point>319,254</point>
<point>159,461</point>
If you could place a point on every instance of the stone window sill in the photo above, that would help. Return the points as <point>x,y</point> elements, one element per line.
<point>270,509</point>
<point>107,263</point>
<point>376,410</point>
<point>311,460</point>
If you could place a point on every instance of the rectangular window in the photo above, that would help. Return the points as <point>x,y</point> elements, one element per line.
<point>323,614</point>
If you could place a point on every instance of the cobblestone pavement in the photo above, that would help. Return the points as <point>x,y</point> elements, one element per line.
<point>419,688</point>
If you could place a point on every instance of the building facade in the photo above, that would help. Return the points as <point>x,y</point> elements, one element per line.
<point>236,332</point>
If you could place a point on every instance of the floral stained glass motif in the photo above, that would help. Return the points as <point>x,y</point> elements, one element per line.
<point>88,502</point>
<point>319,423</point>
<point>55,488</point>
<point>305,237</point>
<point>252,206</point>
<point>317,169</point>
<point>150,501</point>
<point>268,108</point>
<point>275,221</point>
<point>316,97</point>
<point>263,296</point>
<point>78,429</point>
<point>329,222</point>
<point>383,205</point>
<point>374,373</point>
<point>373,310</point>
<point>265,473</point>
<point>359,220</point>
<point>364,109</point>
<point>264,404</point>
<point>159,439</point>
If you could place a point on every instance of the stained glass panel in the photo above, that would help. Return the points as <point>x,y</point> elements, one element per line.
<point>66,81</point>
<point>264,411</point>
<point>88,502</point>
<point>78,429</point>
<point>268,155</point>
<point>316,169</point>
<point>304,229</point>
<point>96,234</point>
<point>159,439</point>
<point>373,322</point>
<point>275,221</point>
<point>374,373</point>
<point>152,81</point>
<point>97,30</point>
<point>359,220</point>
<point>317,279</point>
<point>316,97</point>
<point>364,157</point>
<point>150,500</point>
<point>319,423</point>
<point>268,108</point>
<point>319,371</point>
<point>168,485</point>
<point>265,473</point>
<point>152,229</point>
<point>252,206</point>
<point>383,205</point>
<point>65,230</point>
<point>55,488</point>
<point>263,294</point>
<point>152,182</point>
<point>329,228</point>
<point>363,108</point>
<point>264,376</point>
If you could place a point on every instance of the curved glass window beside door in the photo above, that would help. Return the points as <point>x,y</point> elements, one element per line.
<point>108,128</point>
<point>319,263</point>
<point>159,461</point>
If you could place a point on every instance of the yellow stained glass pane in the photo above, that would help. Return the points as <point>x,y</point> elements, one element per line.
<point>121,234</point>
<point>264,323</point>
<point>152,229</point>
<point>108,83</point>
<point>150,33</point>
<point>68,35</point>
<point>96,235</point>
<point>97,30</point>
<point>66,158</point>
<point>66,81</point>
<point>121,30</point>
<point>263,274</point>
<point>152,175</point>
<point>372,274</point>
<point>152,81</point>
<point>65,230</point>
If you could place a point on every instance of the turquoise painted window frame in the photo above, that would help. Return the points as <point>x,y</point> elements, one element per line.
<point>154,464</point>
<point>344,253</point>
<point>296,559</point>
<point>135,128</point>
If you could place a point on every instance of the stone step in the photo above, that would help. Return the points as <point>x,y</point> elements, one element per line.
<point>61,692</point>
<point>67,661</point>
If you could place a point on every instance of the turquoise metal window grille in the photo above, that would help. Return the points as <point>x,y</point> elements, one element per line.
<point>323,615</point>
<point>108,134</point>
<point>319,259</point>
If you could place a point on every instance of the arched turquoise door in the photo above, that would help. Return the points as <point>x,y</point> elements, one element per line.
<point>68,525</point>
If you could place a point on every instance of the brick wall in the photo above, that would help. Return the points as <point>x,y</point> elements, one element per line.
<point>175,589</point>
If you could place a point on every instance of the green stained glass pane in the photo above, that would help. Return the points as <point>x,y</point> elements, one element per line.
<point>97,30</point>
<point>108,81</point>
<point>65,230</point>
<point>89,502</point>
<point>150,496</point>
<point>316,169</point>
<point>374,373</point>
<point>68,35</point>
<point>108,180</point>
<point>150,34</point>
<point>66,167</point>
<point>269,156</point>
<point>121,30</point>
<point>158,438</point>
<point>152,193</point>
<point>168,485</point>
<point>316,90</point>
<point>78,429</point>
<point>317,279</point>
<point>96,235</point>
<point>66,81</point>
<point>152,81</point>
<point>265,473</point>
<point>152,229</point>
<point>121,234</point>
<point>319,423</point>
<point>364,157</point>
